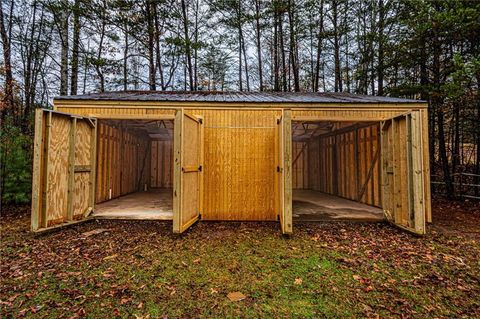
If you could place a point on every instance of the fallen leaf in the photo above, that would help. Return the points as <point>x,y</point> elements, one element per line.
<point>110,257</point>
<point>94,232</point>
<point>236,296</point>
<point>298,281</point>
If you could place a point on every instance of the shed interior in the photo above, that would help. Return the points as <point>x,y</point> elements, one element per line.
<point>336,171</point>
<point>134,169</point>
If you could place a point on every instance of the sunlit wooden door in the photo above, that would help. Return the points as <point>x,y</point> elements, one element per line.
<point>188,141</point>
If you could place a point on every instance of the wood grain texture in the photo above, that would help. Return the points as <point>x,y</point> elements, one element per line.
<point>123,162</point>
<point>346,164</point>
<point>239,163</point>
<point>161,175</point>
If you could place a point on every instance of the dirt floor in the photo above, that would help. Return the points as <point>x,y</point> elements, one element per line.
<point>139,269</point>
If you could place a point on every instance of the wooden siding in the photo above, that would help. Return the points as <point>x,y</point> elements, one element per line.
<point>161,175</point>
<point>300,168</point>
<point>239,164</point>
<point>123,162</point>
<point>346,164</point>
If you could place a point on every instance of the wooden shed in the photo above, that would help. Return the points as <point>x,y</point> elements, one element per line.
<point>186,156</point>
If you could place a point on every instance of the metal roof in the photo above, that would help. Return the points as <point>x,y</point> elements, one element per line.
<point>237,97</point>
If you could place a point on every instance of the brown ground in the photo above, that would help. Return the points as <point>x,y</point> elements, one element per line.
<point>140,269</point>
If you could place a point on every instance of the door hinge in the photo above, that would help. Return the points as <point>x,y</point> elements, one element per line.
<point>200,168</point>
<point>279,169</point>
<point>278,217</point>
<point>200,121</point>
<point>278,121</point>
<point>199,216</point>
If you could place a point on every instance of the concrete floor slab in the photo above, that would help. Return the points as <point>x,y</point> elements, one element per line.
<point>311,205</point>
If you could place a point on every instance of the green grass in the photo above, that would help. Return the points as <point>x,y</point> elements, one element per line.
<point>325,270</point>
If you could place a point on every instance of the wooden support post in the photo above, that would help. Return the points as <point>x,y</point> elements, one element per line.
<point>418,195</point>
<point>46,170</point>
<point>288,221</point>
<point>177,172</point>
<point>71,168</point>
<point>93,164</point>
<point>369,175</point>
<point>357,173</point>
<point>37,204</point>
<point>202,164</point>
<point>335,172</point>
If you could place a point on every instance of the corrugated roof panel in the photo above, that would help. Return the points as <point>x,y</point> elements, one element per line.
<point>240,97</point>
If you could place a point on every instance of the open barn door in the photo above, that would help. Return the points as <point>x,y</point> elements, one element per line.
<point>402,172</point>
<point>188,150</point>
<point>63,182</point>
<point>284,169</point>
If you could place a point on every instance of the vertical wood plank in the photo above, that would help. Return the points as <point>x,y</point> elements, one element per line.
<point>71,168</point>
<point>288,220</point>
<point>37,174</point>
<point>177,176</point>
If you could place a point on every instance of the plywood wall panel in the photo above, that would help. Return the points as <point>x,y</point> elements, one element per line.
<point>161,164</point>
<point>56,205</point>
<point>344,162</point>
<point>122,163</point>
<point>300,168</point>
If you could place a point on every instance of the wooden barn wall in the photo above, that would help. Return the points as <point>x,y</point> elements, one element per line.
<point>123,162</point>
<point>239,164</point>
<point>300,168</point>
<point>161,173</point>
<point>347,164</point>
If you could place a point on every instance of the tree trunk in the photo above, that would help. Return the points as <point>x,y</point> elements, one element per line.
<point>75,48</point>
<point>9,105</point>
<point>319,49</point>
<point>293,45</point>
<point>99,55</point>
<point>336,47</point>
<point>259,48</point>
<point>64,50</point>
<point>125,58</point>
<point>151,46</point>
<point>157,47</point>
<point>381,26</point>
<point>282,49</point>
<point>276,63</point>
<point>187,45</point>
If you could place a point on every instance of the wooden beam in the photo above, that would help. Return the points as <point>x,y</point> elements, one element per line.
<point>369,175</point>
<point>71,168</point>
<point>288,219</point>
<point>177,172</point>
<point>37,170</point>
<point>46,170</point>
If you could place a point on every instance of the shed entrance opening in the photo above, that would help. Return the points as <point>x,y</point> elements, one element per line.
<point>363,171</point>
<point>336,171</point>
<point>134,169</point>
